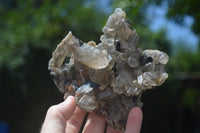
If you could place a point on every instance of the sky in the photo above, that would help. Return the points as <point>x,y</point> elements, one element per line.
<point>177,34</point>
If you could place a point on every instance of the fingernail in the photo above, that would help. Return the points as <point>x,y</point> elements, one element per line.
<point>69,99</point>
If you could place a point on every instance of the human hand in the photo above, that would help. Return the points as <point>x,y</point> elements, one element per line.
<point>66,117</point>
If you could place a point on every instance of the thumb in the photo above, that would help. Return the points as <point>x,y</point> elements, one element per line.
<point>57,116</point>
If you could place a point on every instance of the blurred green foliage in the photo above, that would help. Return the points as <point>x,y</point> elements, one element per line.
<point>180,8</point>
<point>43,24</point>
<point>185,61</point>
<point>31,29</point>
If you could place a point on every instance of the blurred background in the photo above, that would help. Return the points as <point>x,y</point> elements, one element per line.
<point>31,29</point>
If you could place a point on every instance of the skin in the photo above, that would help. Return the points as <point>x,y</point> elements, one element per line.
<point>66,117</point>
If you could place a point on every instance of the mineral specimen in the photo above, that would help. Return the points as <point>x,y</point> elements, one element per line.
<point>110,77</point>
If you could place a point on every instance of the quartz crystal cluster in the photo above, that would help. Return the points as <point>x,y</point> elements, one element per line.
<point>110,77</point>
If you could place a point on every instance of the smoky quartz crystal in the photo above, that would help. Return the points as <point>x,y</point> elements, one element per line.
<point>110,77</point>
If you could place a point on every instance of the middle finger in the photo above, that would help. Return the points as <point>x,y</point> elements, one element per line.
<point>94,124</point>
